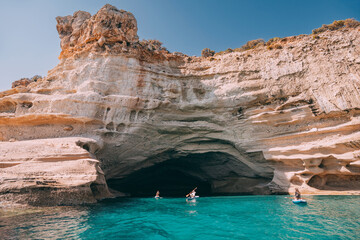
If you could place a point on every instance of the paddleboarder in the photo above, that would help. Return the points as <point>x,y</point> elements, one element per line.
<point>192,193</point>
<point>297,194</point>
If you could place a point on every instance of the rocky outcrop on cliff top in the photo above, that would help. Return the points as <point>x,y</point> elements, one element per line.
<point>254,122</point>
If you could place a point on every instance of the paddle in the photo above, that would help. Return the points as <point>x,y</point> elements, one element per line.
<point>187,195</point>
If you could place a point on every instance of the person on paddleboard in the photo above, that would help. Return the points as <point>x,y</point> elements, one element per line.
<point>297,194</point>
<point>157,195</point>
<point>192,193</point>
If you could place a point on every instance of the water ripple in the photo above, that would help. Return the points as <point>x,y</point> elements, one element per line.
<point>246,217</point>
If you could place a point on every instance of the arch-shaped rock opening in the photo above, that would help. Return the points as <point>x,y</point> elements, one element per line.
<point>214,173</point>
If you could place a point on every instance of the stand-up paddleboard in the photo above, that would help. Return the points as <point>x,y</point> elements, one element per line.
<point>299,201</point>
<point>191,198</point>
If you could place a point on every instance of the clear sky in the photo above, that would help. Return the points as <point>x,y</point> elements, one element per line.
<point>29,42</point>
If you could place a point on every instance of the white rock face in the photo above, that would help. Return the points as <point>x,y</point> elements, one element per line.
<point>51,171</point>
<point>255,122</point>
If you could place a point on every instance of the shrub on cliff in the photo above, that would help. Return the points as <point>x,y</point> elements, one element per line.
<point>253,44</point>
<point>274,43</point>
<point>349,23</point>
<point>229,50</point>
<point>207,52</point>
<point>153,45</point>
<point>272,40</point>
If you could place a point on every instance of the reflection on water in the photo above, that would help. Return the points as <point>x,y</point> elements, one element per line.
<point>40,223</point>
<point>246,217</point>
<point>192,210</point>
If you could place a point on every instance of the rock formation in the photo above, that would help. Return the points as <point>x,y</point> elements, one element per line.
<point>51,171</point>
<point>116,112</point>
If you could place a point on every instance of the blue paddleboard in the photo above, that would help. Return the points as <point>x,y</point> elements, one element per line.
<point>299,201</point>
<point>190,198</point>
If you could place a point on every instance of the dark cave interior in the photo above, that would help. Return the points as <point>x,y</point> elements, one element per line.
<point>175,177</point>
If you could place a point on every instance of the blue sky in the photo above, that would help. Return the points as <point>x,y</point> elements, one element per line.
<point>29,42</point>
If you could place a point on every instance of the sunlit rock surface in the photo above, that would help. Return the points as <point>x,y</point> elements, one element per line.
<point>254,122</point>
<point>51,171</point>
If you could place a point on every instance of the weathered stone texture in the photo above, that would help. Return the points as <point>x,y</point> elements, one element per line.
<point>258,121</point>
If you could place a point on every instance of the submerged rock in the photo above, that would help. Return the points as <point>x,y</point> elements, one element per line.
<point>259,121</point>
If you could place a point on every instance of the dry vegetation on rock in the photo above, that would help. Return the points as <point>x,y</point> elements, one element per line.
<point>348,23</point>
<point>274,43</point>
<point>253,44</point>
<point>153,45</point>
<point>207,52</point>
<point>277,43</point>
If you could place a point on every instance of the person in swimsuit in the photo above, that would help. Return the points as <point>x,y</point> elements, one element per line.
<point>297,194</point>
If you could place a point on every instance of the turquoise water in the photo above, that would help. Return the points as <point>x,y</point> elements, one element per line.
<point>242,217</point>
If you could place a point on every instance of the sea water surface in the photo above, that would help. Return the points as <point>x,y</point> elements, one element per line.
<point>241,217</point>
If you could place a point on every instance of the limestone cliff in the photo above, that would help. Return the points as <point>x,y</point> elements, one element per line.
<point>253,122</point>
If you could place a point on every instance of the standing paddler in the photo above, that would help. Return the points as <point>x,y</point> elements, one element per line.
<point>192,193</point>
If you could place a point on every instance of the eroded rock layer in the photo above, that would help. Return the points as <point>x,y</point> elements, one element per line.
<point>53,171</point>
<point>254,122</point>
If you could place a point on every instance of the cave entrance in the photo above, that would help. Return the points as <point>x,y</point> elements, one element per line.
<point>166,179</point>
<point>214,173</point>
